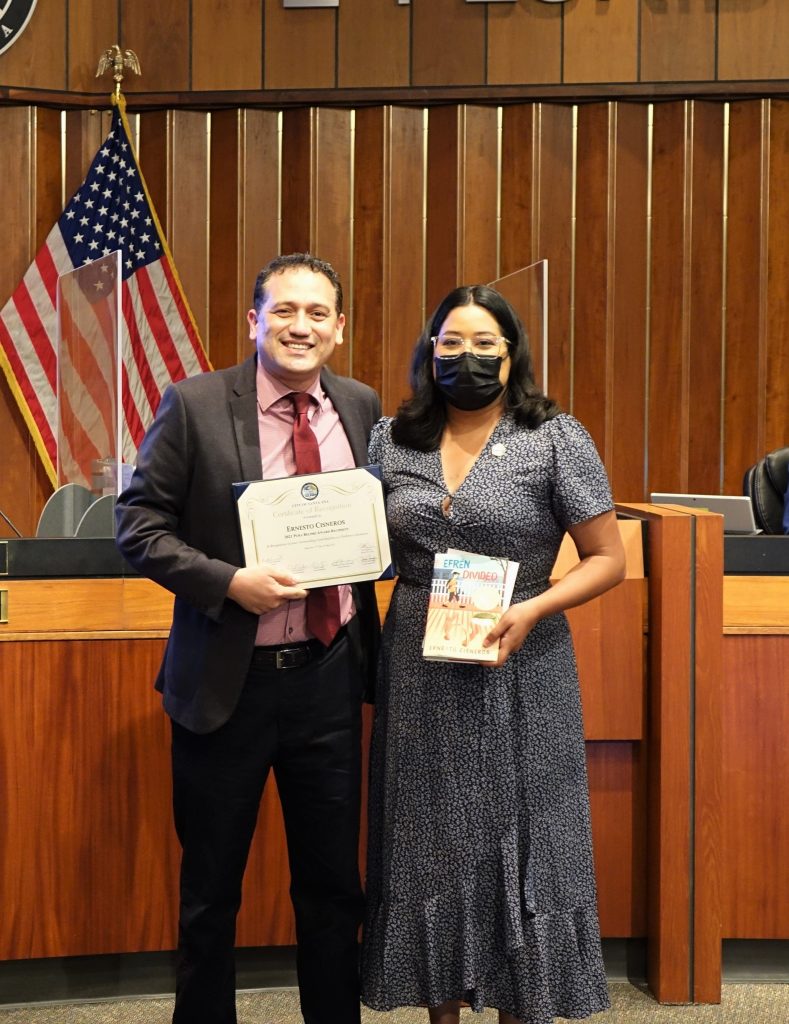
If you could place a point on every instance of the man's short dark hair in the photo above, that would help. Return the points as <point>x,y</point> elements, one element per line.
<point>294,261</point>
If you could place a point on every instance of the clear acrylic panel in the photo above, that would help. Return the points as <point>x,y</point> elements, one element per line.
<point>527,291</point>
<point>89,376</point>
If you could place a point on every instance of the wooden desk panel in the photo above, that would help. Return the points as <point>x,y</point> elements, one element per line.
<point>755,872</point>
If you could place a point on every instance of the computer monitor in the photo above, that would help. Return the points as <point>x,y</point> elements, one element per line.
<point>736,510</point>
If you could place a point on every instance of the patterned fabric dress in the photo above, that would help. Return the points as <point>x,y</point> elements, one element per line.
<point>480,882</point>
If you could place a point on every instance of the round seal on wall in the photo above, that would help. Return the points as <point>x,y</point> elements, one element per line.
<point>14,16</point>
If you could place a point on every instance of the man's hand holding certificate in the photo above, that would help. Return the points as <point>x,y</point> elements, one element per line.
<point>324,528</point>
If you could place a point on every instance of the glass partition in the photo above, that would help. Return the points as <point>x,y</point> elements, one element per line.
<point>527,291</point>
<point>89,376</point>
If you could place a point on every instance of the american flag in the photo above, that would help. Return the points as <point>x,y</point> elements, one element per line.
<point>110,211</point>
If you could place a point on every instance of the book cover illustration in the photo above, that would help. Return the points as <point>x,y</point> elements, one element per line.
<point>468,595</point>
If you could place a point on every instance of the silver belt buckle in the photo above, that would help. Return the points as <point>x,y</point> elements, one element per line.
<point>281,660</point>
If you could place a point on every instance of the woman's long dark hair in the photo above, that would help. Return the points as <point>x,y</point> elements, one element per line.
<point>420,420</point>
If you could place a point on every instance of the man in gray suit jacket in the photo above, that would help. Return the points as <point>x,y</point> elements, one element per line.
<point>247,684</point>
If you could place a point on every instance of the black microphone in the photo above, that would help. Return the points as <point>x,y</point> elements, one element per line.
<point>5,518</point>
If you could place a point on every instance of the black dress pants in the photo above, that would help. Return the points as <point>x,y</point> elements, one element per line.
<point>305,723</point>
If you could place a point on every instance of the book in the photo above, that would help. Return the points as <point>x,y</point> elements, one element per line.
<point>468,595</point>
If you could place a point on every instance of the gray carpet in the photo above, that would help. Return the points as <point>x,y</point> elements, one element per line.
<point>742,1004</point>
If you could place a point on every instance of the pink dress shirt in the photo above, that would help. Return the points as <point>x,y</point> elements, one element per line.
<point>288,624</point>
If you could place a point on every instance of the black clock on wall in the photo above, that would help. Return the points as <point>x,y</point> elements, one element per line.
<point>14,16</point>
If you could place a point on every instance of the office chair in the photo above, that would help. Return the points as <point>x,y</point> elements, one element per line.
<point>765,484</point>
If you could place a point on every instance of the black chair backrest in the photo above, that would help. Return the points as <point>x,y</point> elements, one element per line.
<point>765,484</point>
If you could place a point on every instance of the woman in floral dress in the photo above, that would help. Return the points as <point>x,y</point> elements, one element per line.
<point>480,882</point>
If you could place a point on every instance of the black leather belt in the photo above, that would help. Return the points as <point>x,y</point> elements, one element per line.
<point>291,655</point>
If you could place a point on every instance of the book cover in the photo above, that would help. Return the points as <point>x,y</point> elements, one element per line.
<point>468,595</point>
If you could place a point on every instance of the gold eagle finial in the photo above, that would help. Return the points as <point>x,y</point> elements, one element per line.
<point>117,59</point>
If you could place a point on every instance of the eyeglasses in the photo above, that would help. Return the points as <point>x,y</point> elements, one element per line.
<point>448,345</point>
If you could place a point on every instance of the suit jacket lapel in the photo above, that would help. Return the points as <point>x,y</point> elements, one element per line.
<point>243,406</point>
<point>350,415</point>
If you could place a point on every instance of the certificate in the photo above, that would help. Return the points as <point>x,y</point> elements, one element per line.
<point>323,528</point>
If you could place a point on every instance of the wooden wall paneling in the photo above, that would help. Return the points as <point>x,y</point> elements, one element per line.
<point>443,223</point>
<point>617,793</point>
<point>594,264</point>
<point>755,845</point>
<point>462,207</point>
<point>478,159</point>
<point>707,767</point>
<point>317,204</point>
<point>776,426</point>
<point>751,39</point>
<point>669,745</point>
<point>389,175</point>
<point>227,45</point>
<point>188,236</point>
<point>677,41</point>
<point>746,273</point>
<point>600,41</point>
<point>17,228</point>
<point>612,676</point>
<point>85,132</point>
<point>373,44</point>
<point>704,249</point>
<point>524,43</point>
<point>332,237</point>
<point>520,180</point>
<point>299,47</point>
<point>298,157</point>
<point>371,149</point>
<point>259,213</point>
<point>668,407</point>
<point>153,156</point>
<point>96,794</point>
<point>626,397</point>
<point>93,27</point>
<point>553,238</point>
<point>227,328</point>
<point>37,59</point>
<point>405,312</point>
<point>162,45</point>
<point>448,43</point>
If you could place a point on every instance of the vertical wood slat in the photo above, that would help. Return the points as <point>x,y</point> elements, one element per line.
<point>704,316</point>
<point>189,172</point>
<point>17,173</point>
<point>668,856</point>
<point>225,318</point>
<point>746,335</point>
<point>776,357</point>
<point>332,215</point>
<point>478,185</point>
<point>259,212</point>
<point>593,255</point>
<point>669,299</point>
<point>625,398</point>
<point>707,757</point>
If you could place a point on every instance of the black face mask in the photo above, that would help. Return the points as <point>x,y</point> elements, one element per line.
<point>468,381</point>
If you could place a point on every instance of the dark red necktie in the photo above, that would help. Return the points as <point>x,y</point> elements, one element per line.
<point>323,603</point>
